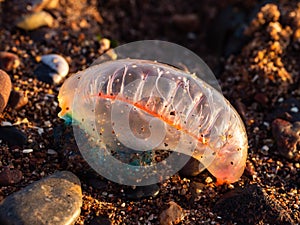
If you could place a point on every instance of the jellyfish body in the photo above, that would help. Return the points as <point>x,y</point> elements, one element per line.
<point>143,105</point>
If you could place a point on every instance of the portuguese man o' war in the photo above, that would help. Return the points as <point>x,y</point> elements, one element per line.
<point>137,106</point>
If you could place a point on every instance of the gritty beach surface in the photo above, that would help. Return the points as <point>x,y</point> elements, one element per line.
<point>253,49</point>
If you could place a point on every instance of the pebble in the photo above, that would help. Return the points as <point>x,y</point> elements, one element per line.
<point>186,22</point>
<point>172,215</point>
<point>10,176</point>
<point>27,151</point>
<point>55,199</point>
<point>9,61</point>
<point>208,180</point>
<point>52,69</point>
<point>192,168</point>
<point>295,109</point>
<point>51,152</point>
<point>196,189</point>
<point>254,207</point>
<point>250,170</point>
<point>104,44</point>
<point>142,191</point>
<point>17,99</point>
<point>5,84</point>
<point>6,123</point>
<point>35,20</point>
<point>287,137</point>
<point>100,220</point>
<point>12,136</point>
<point>261,98</point>
<point>38,5</point>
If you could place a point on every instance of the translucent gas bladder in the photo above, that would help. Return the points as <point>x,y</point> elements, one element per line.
<point>136,107</point>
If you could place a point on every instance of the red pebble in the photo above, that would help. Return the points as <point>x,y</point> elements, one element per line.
<point>8,61</point>
<point>10,177</point>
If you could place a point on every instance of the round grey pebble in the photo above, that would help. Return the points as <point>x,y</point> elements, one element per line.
<point>56,199</point>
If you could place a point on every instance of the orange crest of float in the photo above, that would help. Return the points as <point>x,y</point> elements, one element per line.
<point>138,116</point>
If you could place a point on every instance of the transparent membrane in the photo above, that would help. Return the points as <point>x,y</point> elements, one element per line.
<point>137,122</point>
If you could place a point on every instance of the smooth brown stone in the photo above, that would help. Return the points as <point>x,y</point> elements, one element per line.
<point>5,88</point>
<point>9,61</point>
